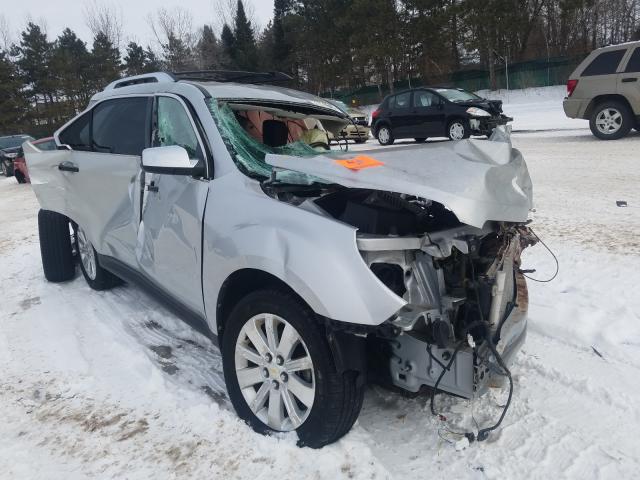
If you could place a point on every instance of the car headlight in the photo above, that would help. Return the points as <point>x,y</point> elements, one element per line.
<point>477,112</point>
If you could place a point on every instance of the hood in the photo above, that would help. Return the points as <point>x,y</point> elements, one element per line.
<point>355,112</point>
<point>10,149</point>
<point>492,106</point>
<point>478,180</point>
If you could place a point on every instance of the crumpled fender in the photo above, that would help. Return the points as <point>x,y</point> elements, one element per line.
<point>315,255</point>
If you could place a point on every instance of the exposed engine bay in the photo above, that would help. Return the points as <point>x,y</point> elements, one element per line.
<point>465,316</point>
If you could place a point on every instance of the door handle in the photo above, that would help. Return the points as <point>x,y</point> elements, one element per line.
<point>68,167</point>
<point>629,79</point>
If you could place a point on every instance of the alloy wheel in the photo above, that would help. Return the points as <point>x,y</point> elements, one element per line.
<point>609,121</point>
<point>275,372</point>
<point>384,135</point>
<point>456,131</point>
<point>87,254</point>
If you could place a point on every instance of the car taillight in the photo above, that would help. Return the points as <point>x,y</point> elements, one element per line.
<point>571,86</point>
<point>375,114</point>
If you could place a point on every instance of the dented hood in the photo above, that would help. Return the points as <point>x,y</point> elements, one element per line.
<point>478,180</point>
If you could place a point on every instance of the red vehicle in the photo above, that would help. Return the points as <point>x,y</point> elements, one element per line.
<point>20,166</point>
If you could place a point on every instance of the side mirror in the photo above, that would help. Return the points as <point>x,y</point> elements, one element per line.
<point>170,160</point>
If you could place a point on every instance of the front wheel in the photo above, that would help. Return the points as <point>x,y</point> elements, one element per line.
<point>280,372</point>
<point>7,169</point>
<point>611,120</point>
<point>385,135</point>
<point>458,129</point>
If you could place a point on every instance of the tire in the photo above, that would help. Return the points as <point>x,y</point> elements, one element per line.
<point>384,134</point>
<point>7,169</point>
<point>458,129</point>
<point>337,396</point>
<point>420,140</point>
<point>20,177</point>
<point>611,120</point>
<point>97,277</point>
<point>55,246</point>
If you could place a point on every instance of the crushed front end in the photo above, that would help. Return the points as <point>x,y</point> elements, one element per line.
<point>466,297</point>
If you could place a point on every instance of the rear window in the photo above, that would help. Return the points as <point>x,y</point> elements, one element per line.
<point>604,64</point>
<point>633,65</point>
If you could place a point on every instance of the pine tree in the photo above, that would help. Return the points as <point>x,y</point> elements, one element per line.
<point>134,60</point>
<point>208,49</point>
<point>70,64</point>
<point>228,47</point>
<point>245,49</point>
<point>105,62</point>
<point>34,61</point>
<point>13,104</point>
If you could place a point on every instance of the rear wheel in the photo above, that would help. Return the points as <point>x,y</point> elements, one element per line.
<point>280,372</point>
<point>55,246</point>
<point>611,120</point>
<point>458,129</point>
<point>97,277</point>
<point>385,135</point>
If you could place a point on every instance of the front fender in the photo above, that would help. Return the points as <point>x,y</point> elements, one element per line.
<point>315,255</point>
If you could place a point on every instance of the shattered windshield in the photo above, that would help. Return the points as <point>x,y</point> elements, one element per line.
<point>455,95</point>
<point>252,133</point>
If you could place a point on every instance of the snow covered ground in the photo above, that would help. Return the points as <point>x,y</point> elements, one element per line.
<point>112,385</point>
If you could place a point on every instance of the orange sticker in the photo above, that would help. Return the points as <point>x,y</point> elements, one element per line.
<point>360,162</point>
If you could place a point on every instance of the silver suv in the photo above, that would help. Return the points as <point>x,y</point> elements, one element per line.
<point>315,271</point>
<point>605,89</point>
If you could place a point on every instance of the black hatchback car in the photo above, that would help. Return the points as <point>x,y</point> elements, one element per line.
<point>435,112</point>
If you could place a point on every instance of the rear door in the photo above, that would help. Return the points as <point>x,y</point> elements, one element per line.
<point>629,80</point>
<point>429,114</point>
<point>170,234</point>
<point>95,180</point>
<point>401,115</point>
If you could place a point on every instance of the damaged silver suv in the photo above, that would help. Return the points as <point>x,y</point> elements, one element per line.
<point>315,271</point>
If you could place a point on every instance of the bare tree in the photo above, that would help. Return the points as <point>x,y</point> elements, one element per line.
<point>104,18</point>
<point>6,38</point>
<point>225,12</point>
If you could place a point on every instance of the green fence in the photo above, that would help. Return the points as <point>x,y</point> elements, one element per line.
<point>532,73</point>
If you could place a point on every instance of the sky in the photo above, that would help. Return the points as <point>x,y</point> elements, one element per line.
<point>58,14</point>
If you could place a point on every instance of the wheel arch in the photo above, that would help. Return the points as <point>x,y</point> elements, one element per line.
<point>595,101</point>
<point>239,284</point>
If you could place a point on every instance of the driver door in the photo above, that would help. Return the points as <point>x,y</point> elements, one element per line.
<point>170,235</point>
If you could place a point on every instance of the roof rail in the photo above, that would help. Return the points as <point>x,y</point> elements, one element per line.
<point>232,76</point>
<point>156,77</point>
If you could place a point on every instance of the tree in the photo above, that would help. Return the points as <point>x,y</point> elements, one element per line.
<point>13,103</point>
<point>208,50</point>
<point>245,52</point>
<point>70,66</point>
<point>34,60</point>
<point>228,46</point>
<point>105,62</point>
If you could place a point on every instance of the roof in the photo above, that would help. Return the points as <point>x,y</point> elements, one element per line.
<point>233,91</point>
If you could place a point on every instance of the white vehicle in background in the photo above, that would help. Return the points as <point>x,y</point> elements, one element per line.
<point>315,271</point>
